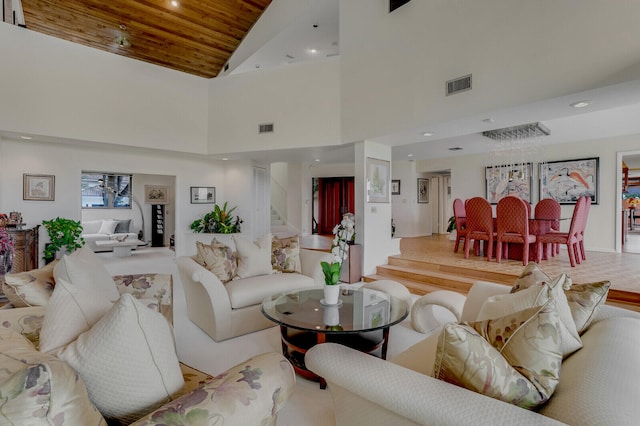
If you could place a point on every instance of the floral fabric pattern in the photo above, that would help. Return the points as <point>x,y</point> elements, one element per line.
<point>584,300</point>
<point>154,290</point>
<point>30,288</point>
<point>285,254</point>
<point>24,321</point>
<point>218,258</point>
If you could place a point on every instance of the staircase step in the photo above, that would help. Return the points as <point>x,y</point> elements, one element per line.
<point>415,287</point>
<point>457,270</point>
<point>443,280</point>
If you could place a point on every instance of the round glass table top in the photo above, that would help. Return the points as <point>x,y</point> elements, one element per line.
<point>358,310</point>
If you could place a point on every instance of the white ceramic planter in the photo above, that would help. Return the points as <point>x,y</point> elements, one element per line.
<point>331,294</point>
<point>331,315</point>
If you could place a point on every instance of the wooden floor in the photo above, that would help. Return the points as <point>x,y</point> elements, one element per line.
<point>621,269</point>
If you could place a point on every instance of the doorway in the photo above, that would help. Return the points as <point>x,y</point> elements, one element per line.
<point>332,197</point>
<point>630,196</point>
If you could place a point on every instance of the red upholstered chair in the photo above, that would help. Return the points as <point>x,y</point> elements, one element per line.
<point>570,239</point>
<point>513,226</point>
<point>583,226</point>
<point>460,216</point>
<point>548,208</point>
<point>479,225</point>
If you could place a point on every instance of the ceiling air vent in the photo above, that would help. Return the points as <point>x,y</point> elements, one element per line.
<point>458,85</point>
<point>265,128</point>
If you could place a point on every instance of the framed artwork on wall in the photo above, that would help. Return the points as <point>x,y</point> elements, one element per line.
<point>565,181</point>
<point>423,190</point>
<point>508,180</point>
<point>395,187</point>
<point>156,194</point>
<point>378,181</point>
<point>203,195</point>
<point>38,187</point>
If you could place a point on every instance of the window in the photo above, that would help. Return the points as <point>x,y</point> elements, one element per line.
<point>106,191</point>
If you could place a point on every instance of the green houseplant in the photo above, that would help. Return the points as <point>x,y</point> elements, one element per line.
<point>451,224</point>
<point>63,233</point>
<point>218,221</point>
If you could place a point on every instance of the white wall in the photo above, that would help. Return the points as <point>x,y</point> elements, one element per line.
<point>394,65</point>
<point>280,188</point>
<point>56,88</point>
<point>467,180</point>
<point>303,102</point>
<point>66,162</point>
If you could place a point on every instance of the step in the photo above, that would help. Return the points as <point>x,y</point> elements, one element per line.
<point>444,280</point>
<point>457,270</point>
<point>415,287</point>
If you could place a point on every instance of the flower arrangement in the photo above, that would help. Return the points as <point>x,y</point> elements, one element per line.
<point>218,221</point>
<point>344,233</point>
<point>6,243</point>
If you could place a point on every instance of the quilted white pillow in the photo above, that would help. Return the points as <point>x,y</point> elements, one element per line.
<point>253,259</point>
<point>72,310</point>
<point>108,227</point>
<point>82,268</point>
<point>127,360</point>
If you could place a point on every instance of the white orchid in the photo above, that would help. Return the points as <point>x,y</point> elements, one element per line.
<point>343,234</point>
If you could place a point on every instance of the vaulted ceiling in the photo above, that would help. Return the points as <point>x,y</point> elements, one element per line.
<point>192,36</point>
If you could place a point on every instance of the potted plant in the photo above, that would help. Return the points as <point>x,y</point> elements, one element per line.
<point>6,252</point>
<point>344,233</point>
<point>217,221</point>
<point>63,233</point>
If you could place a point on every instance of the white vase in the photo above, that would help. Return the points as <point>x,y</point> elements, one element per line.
<point>331,293</point>
<point>331,315</point>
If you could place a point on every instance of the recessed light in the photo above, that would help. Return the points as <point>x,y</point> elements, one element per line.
<point>257,65</point>
<point>28,138</point>
<point>410,155</point>
<point>224,159</point>
<point>488,120</point>
<point>317,160</point>
<point>427,134</point>
<point>455,148</point>
<point>174,3</point>
<point>580,104</point>
<point>313,50</point>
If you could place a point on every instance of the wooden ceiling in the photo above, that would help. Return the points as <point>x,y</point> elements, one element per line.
<point>196,37</point>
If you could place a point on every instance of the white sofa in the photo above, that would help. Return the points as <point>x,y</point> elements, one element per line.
<point>228,310</point>
<point>598,383</point>
<point>91,232</point>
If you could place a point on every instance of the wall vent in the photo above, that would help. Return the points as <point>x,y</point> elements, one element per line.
<point>265,128</point>
<point>457,85</point>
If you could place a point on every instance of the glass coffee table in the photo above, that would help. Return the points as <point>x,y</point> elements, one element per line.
<point>361,320</point>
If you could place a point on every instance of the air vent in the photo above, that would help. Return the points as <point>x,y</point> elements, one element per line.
<point>265,128</point>
<point>458,85</point>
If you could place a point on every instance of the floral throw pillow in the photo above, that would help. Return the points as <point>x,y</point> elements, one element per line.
<point>218,258</point>
<point>285,254</point>
<point>30,288</point>
<point>584,300</point>
<point>515,358</point>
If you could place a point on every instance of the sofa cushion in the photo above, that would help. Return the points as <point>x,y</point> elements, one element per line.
<point>253,258</point>
<point>584,301</point>
<point>72,310</point>
<point>127,360</point>
<point>515,358</point>
<point>24,321</point>
<point>599,383</point>
<point>122,226</point>
<point>30,288</point>
<point>537,294</point>
<point>38,388</point>
<point>285,254</point>
<point>83,268</point>
<point>91,226</point>
<point>108,226</point>
<point>217,258</point>
<point>252,291</point>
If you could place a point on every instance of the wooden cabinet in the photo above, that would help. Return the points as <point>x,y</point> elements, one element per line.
<point>352,265</point>
<point>25,255</point>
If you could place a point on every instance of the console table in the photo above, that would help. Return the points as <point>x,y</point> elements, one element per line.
<point>25,255</point>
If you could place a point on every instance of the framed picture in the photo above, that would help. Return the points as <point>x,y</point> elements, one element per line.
<point>566,181</point>
<point>502,181</point>
<point>38,187</point>
<point>395,187</point>
<point>423,190</point>
<point>156,194</point>
<point>378,181</point>
<point>203,195</point>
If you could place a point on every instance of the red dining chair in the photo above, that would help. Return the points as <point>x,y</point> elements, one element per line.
<point>548,212</point>
<point>479,225</point>
<point>570,239</point>
<point>583,226</point>
<point>513,226</point>
<point>460,216</point>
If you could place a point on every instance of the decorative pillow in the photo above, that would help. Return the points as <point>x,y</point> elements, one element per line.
<point>217,258</point>
<point>39,388</point>
<point>285,254</point>
<point>31,288</point>
<point>253,259</point>
<point>122,226</point>
<point>537,294</point>
<point>108,227</point>
<point>127,360</point>
<point>515,358</point>
<point>532,274</point>
<point>72,310</point>
<point>83,268</point>
<point>584,300</point>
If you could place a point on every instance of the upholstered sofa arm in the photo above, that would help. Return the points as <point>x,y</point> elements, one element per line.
<point>154,290</point>
<point>251,393</point>
<point>369,390</point>
<point>424,317</point>
<point>310,260</point>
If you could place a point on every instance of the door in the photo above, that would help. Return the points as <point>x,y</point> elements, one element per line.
<point>335,198</point>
